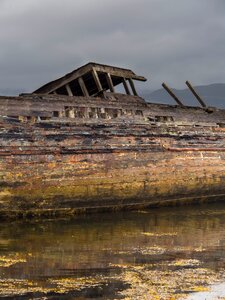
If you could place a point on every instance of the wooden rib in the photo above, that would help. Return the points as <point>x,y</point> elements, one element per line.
<point>68,89</point>
<point>169,91</point>
<point>195,94</point>
<point>126,86</point>
<point>110,83</point>
<point>97,81</point>
<point>83,87</point>
<point>132,87</point>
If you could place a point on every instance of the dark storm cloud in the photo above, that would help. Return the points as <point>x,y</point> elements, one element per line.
<point>165,40</point>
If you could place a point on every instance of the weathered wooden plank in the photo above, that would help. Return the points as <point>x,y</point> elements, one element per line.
<point>132,87</point>
<point>172,94</point>
<point>110,83</point>
<point>126,86</point>
<point>69,91</point>
<point>97,81</point>
<point>83,87</point>
<point>119,72</point>
<point>196,94</point>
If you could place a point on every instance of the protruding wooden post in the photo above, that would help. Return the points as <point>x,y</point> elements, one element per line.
<point>83,87</point>
<point>172,94</point>
<point>195,94</point>
<point>132,87</point>
<point>68,89</point>
<point>126,86</point>
<point>97,81</point>
<point>110,83</point>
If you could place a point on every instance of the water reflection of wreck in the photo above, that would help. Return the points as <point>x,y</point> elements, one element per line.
<point>167,252</point>
<point>76,144</point>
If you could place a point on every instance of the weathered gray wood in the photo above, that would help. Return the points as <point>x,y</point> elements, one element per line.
<point>110,83</point>
<point>119,72</point>
<point>126,86</point>
<point>53,85</point>
<point>132,87</point>
<point>83,87</point>
<point>195,94</point>
<point>97,81</point>
<point>68,89</point>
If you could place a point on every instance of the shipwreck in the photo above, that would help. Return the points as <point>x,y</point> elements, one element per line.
<point>87,142</point>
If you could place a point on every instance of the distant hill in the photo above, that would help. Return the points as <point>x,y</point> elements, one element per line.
<point>213,95</point>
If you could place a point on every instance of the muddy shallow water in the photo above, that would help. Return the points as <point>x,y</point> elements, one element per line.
<point>169,253</point>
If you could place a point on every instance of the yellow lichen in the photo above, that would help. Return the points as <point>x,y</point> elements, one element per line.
<point>7,261</point>
<point>159,234</point>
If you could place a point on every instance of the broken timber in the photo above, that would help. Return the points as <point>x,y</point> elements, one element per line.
<point>195,94</point>
<point>169,91</point>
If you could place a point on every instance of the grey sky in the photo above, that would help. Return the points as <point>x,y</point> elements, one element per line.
<point>164,40</point>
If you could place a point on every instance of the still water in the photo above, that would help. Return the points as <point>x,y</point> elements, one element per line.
<point>169,253</point>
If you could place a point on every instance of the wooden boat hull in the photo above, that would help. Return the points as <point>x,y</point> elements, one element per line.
<point>59,184</point>
<point>141,155</point>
